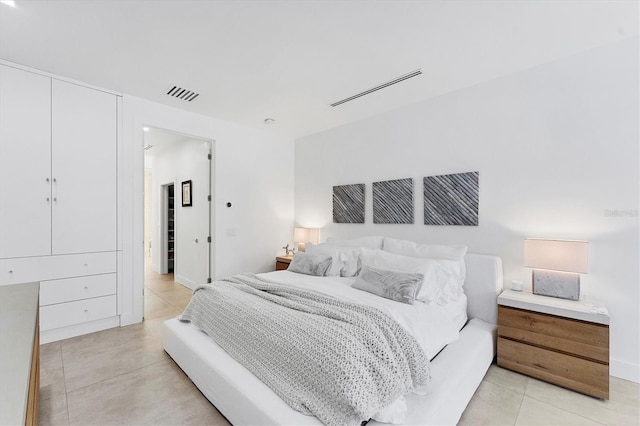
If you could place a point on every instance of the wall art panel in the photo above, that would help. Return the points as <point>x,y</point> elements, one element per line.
<point>348,203</point>
<point>451,199</point>
<point>393,201</point>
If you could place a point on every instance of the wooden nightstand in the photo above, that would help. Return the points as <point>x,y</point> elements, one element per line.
<point>282,262</point>
<point>559,341</point>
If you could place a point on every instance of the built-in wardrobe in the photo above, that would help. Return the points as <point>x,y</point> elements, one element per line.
<point>58,198</point>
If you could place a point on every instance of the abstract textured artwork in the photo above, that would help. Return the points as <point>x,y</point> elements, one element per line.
<point>451,199</point>
<point>393,201</point>
<point>348,203</point>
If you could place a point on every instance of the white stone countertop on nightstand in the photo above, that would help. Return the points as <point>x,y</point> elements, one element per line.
<point>579,310</point>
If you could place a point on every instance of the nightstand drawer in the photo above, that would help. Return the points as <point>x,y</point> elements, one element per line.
<point>574,337</point>
<point>588,377</point>
<point>282,262</point>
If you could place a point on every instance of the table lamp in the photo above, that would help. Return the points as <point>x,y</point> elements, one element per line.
<point>557,266</point>
<point>302,236</point>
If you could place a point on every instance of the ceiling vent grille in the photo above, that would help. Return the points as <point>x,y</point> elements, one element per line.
<point>380,86</point>
<point>184,94</point>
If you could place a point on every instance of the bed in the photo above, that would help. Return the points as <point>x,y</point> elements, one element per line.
<point>456,370</point>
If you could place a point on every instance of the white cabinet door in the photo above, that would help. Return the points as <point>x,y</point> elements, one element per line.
<point>83,169</point>
<point>25,163</point>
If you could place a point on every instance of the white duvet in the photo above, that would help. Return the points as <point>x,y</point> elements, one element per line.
<point>434,326</point>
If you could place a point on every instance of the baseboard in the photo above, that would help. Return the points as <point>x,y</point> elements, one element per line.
<point>78,329</point>
<point>185,282</point>
<point>624,370</point>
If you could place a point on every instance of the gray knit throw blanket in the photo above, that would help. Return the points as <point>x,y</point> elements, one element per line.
<point>339,361</point>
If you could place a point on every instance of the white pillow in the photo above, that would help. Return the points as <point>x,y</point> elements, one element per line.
<point>435,281</point>
<point>450,258</point>
<point>326,251</point>
<point>424,251</point>
<point>374,242</point>
<point>345,261</point>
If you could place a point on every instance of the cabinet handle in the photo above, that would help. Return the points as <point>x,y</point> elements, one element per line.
<point>86,311</point>
<point>55,190</point>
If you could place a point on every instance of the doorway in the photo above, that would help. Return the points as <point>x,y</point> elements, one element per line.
<point>177,219</point>
<point>167,229</point>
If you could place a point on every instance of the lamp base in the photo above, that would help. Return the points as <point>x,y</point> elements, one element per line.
<point>564,285</point>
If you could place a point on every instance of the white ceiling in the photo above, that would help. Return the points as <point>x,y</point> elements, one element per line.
<point>289,60</point>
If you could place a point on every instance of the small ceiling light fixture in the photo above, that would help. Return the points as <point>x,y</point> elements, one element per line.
<point>11,3</point>
<point>269,121</point>
<point>145,129</point>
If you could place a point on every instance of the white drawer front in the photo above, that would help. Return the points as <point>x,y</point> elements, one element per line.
<point>64,314</point>
<point>70,289</point>
<point>30,269</point>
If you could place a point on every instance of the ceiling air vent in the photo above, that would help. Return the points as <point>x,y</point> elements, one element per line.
<point>184,94</point>
<point>380,86</point>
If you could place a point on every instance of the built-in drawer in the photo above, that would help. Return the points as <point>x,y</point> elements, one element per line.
<point>43,268</point>
<point>579,338</point>
<point>70,289</point>
<point>79,311</point>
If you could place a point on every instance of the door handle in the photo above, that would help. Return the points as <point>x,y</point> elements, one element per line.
<point>195,241</point>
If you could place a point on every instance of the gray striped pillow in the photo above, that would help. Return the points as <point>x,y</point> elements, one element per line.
<point>399,286</point>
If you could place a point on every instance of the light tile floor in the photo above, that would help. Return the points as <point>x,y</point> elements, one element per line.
<point>123,376</point>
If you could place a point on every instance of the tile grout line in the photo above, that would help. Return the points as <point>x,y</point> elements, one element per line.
<point>116,376</point>
<point>562,409</point>
<point>64,383</point>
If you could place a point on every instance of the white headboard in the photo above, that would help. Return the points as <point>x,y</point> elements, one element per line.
<point>482,285</point>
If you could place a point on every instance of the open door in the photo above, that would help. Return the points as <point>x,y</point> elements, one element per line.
<point>181,169</point>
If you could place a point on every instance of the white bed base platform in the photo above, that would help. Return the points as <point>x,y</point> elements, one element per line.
<point>456,372</point>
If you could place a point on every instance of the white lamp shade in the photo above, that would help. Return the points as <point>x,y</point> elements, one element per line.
<point>305,235</point>
<point>556,255</point>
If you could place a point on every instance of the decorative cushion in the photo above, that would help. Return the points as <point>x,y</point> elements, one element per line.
<point>399,286</point>
<point>345,261</point>
<point>309,264</point>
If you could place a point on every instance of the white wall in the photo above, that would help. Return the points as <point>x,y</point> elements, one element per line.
<point>186,159</point>
<point>252,170</point>
<point>557,151</point>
